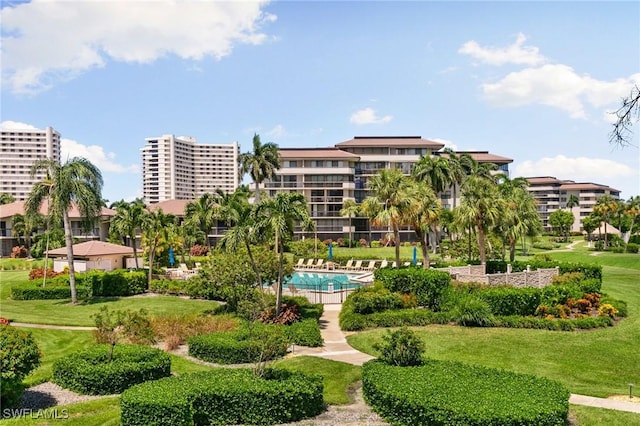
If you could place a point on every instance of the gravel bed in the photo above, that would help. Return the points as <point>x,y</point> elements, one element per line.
<point>49,394</point>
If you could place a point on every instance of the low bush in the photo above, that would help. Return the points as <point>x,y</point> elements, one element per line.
<point>506,300</point>
<point>472,311</point>
<point>174,330</point>
<point>19,355</point>
<point>242,346</point>
<point>90,372</point>
<point>304,333</point>
<point>427,285</point>
<point>367,300</point>
<point>34,291</point>
<point>351,321</point>
<point>633,248</point>
<point>224,396</point>
<point>588,270</point>
<point>401,347</point>
<point>198,250</point>
<point>38,273</point>
<point>452,393</point>
<point>551,323</point>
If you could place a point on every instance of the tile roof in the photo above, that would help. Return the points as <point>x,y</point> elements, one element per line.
<point>586,185</point>
<point>320,153</point>
<point>482,157</point>
<point>94,248</point>
<point>174,207</point>
<point>12,209</point>
<point>387,141</point>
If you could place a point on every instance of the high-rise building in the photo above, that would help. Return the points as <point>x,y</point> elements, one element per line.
<point>179,168</point>
<point>19,150</point>
<point>329,176</point>
<point>553,194</point>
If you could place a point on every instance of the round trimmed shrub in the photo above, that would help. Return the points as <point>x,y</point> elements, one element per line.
<point>453,393</point>
<point>224,396</point>
<point>90,372</point>
<point>19,355</point>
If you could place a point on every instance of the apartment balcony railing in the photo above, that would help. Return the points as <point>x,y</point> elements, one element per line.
<point>322,184</point>
<point>273,185</point>
<point>338,199</point>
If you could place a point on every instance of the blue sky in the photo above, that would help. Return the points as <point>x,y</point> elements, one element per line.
<point>533,81</point>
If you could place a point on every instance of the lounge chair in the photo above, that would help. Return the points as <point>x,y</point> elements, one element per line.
<point>394,264</point>
<point>357,266</point>
<point>384,264</point>
<point>370,266</point>
<point>318,265</point>
<point>300,263</point>
<point>405,264</point>
<point>349,265</point>
<point>309,264</point>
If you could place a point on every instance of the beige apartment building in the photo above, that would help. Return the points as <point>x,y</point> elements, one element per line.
<point>329,176</point>
<point>19,150</point>
<point>552,194</point>
<point>180,168</point>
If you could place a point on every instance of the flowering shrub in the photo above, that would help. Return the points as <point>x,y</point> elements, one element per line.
<point>18,252</point>
<point>199,250</point>
<point>38,273</point>
<point>607,310</point>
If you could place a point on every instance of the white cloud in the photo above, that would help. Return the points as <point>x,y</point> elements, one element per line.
<point>49,41</point>
<point>368,116</point>
<point>105,161</point>
<point>277,132</point>
<point>516,53</point>
<point>577,168</point>
<point>558,86</point>
<point>16,125</point>
<point>447,143</point>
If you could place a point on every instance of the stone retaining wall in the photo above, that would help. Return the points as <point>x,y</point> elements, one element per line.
<point>538,278</point>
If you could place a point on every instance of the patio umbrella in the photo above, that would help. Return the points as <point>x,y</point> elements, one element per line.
<point>172,259</point>
<point>415,255</point>
<point>330,256</point>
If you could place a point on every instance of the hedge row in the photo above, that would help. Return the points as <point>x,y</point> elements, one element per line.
<point>304,333</point>
<point>453,393</point>
<point>587,269</point>
<point>90,371</point>
<point>240,347</point>
<point>553,324</point>
<point>92,283</point>
<point>427,285</point>
<point>224,396</point>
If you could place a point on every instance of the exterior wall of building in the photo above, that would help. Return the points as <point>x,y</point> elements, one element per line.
<point>19,150</point>
<point>552,194</point>
<point>179,168</point>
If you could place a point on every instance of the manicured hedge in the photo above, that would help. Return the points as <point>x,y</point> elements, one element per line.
<point>304,333</point>
<point>224,396</point>
<point>239,347</point>
<point>427,285</point>
<point>306,308</point>
<point>367,300</point>
<point>90,372</point>
<point>453,393</point>
<point>33,291</point>
<point>505,300</point>
<point>556,324</point>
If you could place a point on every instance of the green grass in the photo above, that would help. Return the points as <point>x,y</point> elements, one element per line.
<point>598,362</point>
<point>590,416</point>
<point>337,376</point>
<point>62,312</point>
<point>98,412</point>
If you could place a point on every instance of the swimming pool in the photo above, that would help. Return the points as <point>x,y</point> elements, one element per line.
<point>321,281</point>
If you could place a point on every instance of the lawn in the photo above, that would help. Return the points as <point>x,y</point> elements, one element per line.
<point>62,312</point>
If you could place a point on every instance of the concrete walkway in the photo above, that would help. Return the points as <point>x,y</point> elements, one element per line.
<point>51,327</point>
<point>336,348</point>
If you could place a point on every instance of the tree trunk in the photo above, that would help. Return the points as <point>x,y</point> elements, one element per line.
<point>512,249</point>
<point>481,248</point>
<point>396,237</point>
<point>254,264</point>
<point>69,242</point>
<point>135,252</point>
<point>280,262</point>
<point>424,247</point>
<point>152,251</point>
<point>256,198</point>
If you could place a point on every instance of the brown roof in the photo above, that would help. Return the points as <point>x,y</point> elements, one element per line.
<point>12,209</point>
<point>384,141</point>
<point>94,248</point>
<point>174,207</point>
<point>586,185</point>
<point>544,180</point>
<point>322,153</point>
<point>482,157</point>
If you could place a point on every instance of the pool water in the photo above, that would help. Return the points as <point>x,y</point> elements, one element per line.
<point>321,282</point>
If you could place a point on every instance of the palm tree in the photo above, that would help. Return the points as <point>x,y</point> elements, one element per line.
<point>632,208</point>
<point>520,217</point>
<point>460,167</point>
<point>423,214</point>
<point>434,171</point>
<point>350,209</point>
<point>243,232</point>
<point>77,182</point>
<point>156,235</point>
<point>572,201</point>
<point>480,207</point>
<point>605,206</point>
<point>389,204</point>
<point>6,198</point>
<point>128,220</point>
<point>277,216</point>
<point>261,163</point>
<point>23,226</point>
<point>202,213</point>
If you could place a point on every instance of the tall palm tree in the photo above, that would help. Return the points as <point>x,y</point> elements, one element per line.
<point>77,182</point>
<point>156,235</point>
<point>202,212</point>
<point>277,217</point>
<point>389,204</point>
<point>128,220</point>
<point>23,226</point>
<point>460,167</point>
<point>520,217</point>
<point>261,163</point>
<point>480,207</point>
<point>434,171</point>
<point>350,209</point>
<point>423,215</point>
<point>6,198</point>
<point>243,232</point>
